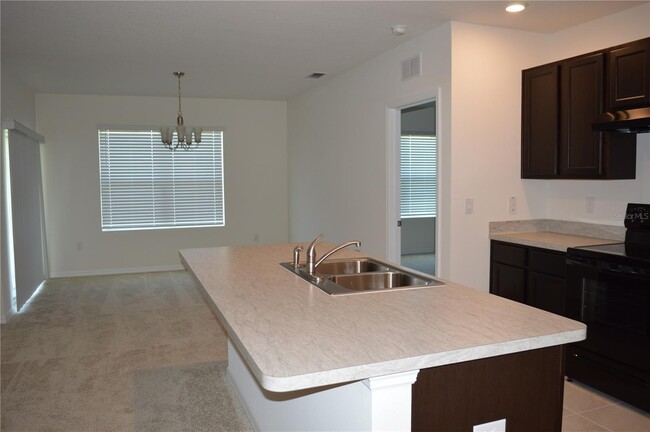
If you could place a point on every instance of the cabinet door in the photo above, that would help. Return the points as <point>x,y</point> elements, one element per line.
<point>510,254</point>
<point>581,148</point>
<point>629,76</point>
<point>508,282</point>
<point>539,151</point>
<point>546,292</point>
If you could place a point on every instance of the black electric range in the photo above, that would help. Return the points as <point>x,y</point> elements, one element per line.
<point>608,288</point>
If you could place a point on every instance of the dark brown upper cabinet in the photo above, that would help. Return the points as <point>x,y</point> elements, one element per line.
<point>540,121</point>
<point>581,102</point>
<point>629,76</point>
<point>560,101</point>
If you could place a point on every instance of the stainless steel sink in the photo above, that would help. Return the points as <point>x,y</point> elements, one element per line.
<point>377,281</point>
<point>350,266</point>
<point>357,275</point>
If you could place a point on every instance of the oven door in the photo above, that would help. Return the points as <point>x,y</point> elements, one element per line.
<point>614,301</point>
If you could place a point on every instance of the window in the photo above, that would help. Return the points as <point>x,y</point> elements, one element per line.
<point>146,186</point>
<point>418,175</point>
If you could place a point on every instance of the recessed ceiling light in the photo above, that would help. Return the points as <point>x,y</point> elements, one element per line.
<point>516,7</point>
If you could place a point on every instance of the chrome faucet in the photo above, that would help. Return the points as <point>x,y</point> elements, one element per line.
<point>311,252</point>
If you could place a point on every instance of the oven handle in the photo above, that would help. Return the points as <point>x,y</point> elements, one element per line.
<point>607,266</point>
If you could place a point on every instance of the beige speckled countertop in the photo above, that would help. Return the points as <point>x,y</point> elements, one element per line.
<point>549,240</point>
<point>556,235</point>
<point>294,336</point>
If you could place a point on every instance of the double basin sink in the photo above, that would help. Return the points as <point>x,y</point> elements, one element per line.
<point>363,274</point>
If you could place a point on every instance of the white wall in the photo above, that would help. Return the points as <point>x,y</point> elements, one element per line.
<point>340,126</point>
<point>337,143</point>
<point>17,100</point>
<point>486,146</point>
<point>336,136</point>
<point>17,103</point>
<point>567,199</point>
<point>255,155</point>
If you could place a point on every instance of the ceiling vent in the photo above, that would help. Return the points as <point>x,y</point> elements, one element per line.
<point>412,67</point>
<point>316,75</point>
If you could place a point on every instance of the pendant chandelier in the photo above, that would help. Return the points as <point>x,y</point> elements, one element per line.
<point>183,135</point>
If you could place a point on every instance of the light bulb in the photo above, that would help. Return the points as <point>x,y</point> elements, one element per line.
<point>180,131</point>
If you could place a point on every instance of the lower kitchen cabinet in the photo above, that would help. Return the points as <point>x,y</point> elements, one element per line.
<point>508,282</point>
<point>546,292</point>
<point>529,275</point>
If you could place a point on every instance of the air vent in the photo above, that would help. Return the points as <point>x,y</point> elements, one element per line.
<point>412,67</point>
<point>316,75</point>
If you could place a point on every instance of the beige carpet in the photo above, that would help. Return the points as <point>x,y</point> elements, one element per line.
<point>70,361</point>
<point>190,398</point>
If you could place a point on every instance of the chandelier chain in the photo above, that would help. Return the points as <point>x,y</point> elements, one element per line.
<point>180,111</point>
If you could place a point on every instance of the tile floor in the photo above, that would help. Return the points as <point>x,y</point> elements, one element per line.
<point>68,362</point>
<point>586,410</point>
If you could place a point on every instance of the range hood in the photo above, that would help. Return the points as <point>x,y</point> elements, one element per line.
<point>630,121</point>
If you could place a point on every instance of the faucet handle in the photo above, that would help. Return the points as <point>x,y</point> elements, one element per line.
<point>296,256</point>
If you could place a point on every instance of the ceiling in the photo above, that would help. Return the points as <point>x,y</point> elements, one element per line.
<point>233,49</point>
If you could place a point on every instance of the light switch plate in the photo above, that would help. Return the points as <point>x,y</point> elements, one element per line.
<point>589,206</point>
<point>512,205</point>
<point>494,426</point>
<point>469,205</point>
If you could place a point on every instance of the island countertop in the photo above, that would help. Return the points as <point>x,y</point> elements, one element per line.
<point>294,336</point>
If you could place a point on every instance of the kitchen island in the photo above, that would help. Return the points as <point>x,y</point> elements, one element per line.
<point>300,359</point>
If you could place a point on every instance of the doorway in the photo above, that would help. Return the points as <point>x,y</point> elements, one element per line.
<point>418,186</point>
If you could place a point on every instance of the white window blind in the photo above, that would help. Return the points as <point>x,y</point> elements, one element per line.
<point>146,186</point>
<point>418,175</point>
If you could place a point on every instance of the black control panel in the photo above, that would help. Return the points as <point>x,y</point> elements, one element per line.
<point>637,217</point>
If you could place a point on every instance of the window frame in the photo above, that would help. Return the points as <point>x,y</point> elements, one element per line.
<point>178,214</point>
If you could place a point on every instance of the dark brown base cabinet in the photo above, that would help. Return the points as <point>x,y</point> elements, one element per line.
<point>529,275</point>
<point>537,277</point>
<point>525,388</point>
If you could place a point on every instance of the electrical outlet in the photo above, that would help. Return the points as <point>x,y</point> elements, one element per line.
<point>80,246</point>
<point>495,426</point>
<point>512,205</point>
<point>469,205</point>
<point>589,206</point>
<point>256,237</point>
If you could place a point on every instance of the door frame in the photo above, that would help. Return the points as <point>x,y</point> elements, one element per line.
<point>393,131</point>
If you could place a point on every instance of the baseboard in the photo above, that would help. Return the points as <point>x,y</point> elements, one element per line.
<point>107,272</point>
